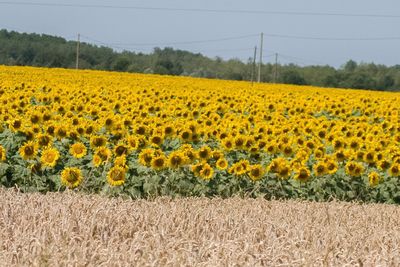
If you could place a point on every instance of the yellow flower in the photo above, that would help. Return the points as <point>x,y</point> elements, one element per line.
<point>120,149</point>
<point>159,162</point>
<point>320,168</point>
<point>204,153</point>
<point>71,177</point>
<point>121,161</point>
<point>222,164</point>
<point>374,179</point>
<point>2,153</point>
<point>28,150</point>
<point>44,140</point>
<point>97,141</point>
<point>256,172</point>
<point>331,166</point>
<point>145,157</point>
<point>104,153</point>
<point>206,172</point>
<point>354,168</point>
<point>97,160</point>
<point>116,176</point>
<point>78,150</point>
<point>302,174</point>
<point>394,170</point>
<point>177,159</point>
<point>49,157</point>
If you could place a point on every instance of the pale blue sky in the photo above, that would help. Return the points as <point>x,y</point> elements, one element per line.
<point>130,26</point>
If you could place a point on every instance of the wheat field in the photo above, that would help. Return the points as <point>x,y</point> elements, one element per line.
<point>70,229</point>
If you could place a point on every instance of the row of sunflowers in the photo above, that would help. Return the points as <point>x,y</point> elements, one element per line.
<point>147,135</point>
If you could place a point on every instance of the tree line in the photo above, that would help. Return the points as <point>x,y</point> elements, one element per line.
<point>23,49</point>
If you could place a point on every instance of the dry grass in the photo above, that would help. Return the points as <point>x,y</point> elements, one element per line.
<point>75,230</point>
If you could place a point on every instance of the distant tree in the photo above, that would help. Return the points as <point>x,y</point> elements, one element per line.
<point>292,76</point>
<point>350,66</point>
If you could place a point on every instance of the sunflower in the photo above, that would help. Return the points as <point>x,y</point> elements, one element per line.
<point>71,177</point>
<point>2,153</point>
<point>104,153</point>
<point>374,179</point>
<point>302,174</point>
<point>276,164</point>
<point>256,172</point>
<point>116,176</point>
<point>287,150</point>
<point>98,141</point>
<point>185,135</point>
<point>158,162</point>
<point>227,143</point>
<point>204,153</point>
<point>120,149</point>
<point>145,156</point>
<point>271,148</point>
<point>331,166</point>
<point>238,169</point>
<point>15,125</point>
<point>133,142</point>
<point>49,157</point>
<point>222,164</point>
<point>284,171</point>
<point>97,160</point>
<point>156,140</point>
<point>121,161</point>
<point>383,164</point>
<point>197,168</point>
<point>177,159</point>
<point>28,150</point>
<point>189,152</point>
<point>61,131</point>
<point>44,140</point>
<point>320,168</point>
<point>370,157</point>
<point>354,168</point>
<point>206,172</point>
<point>78,150</point>
<point>394,170</point>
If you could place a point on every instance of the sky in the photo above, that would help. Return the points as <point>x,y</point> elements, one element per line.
<point>284,23</point>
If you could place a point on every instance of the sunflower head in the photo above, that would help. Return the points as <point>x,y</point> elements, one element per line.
<point>320,168</point>
<point>120,149</point>
<point>256,172</point>
<point>302,174</point>
<point>116,176</point>
<point>374,179</point>
<point>177,159</point>
<point>145,156</point>
<point>222,164</point>
<point>97,141</point>
<point>206,172</point>
<point>49,157</point>
<point>78,150</point>
<point>394,170</point>
<point>71,177</point>
<point>2,153</point>
<point>28,150</point>
<point>159,162</point>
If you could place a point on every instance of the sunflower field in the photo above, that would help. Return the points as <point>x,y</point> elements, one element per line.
<point>146,135</point>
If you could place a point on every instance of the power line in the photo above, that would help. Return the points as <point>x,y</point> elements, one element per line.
<point>188,42</point>
<point>334,38</point>
<point>200,10</point>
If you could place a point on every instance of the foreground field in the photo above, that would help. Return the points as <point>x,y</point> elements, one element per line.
<point>147,135</point>
<point>78,230</point>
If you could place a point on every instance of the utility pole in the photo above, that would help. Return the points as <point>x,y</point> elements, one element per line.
<point>276,67</point>
<point>77,51</point>
<point>253,67</point>
<point>259,65</point>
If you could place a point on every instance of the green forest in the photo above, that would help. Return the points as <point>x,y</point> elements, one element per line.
<point>23,49</point>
